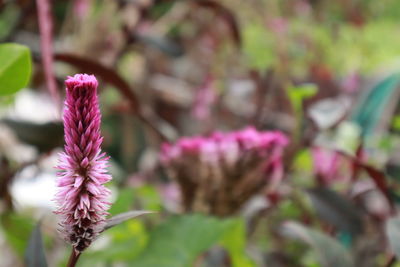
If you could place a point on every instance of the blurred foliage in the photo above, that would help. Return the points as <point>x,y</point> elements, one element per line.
<point>18,229</point>
<point>330,252</point>
<point>181,239</point>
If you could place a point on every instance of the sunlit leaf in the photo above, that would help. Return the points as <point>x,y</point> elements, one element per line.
<point>234,241</point>
<point>297,94</point>
<point>15,67</point>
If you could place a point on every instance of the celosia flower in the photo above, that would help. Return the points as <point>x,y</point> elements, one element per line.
<point>82,194</point>
<point>219,173</point>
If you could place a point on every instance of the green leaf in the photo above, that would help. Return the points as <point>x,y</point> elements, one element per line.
<point>396,123</point>
<point>258,46</point>
<point>148,198</point>
<point>126,242</point>
<point>124,201</point>
<point>329,251</point>
<point>297,94</point>
<point>303,160</point>
<point>393,234</point>
<point>34,254</point>
<point>180,240</point>
<point>234,241</point>
<point>17,231</point>
<point>15,68</point>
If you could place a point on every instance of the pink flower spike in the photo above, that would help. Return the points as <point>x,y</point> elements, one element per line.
<point>82,166</point>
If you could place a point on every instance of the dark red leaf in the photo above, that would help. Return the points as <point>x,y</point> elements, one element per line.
<point>106,73</point>
<point>162,128</point>
<point>227,15</point>
<point>376,175</point>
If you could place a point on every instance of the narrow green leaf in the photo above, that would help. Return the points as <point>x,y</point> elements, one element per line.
<point>34,254</point>
<point>120,218</point>
<point>15,67</point>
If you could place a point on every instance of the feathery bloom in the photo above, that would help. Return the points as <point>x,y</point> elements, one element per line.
<point>219,173</point>
<point>81,197</point>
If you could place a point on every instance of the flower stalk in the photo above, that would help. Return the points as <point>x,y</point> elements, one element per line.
<point>82,196</point>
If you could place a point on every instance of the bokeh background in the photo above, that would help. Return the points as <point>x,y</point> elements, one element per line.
<point>324,73</point>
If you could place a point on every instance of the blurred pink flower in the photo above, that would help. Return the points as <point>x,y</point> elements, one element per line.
<point>244,161</point>
<point>170,195</point>
<point>82,196</point>
<point>278,25</point>
<point>81,8</point>
<point>351,84</point>
<point>326,164</point>
<point>204,98</point>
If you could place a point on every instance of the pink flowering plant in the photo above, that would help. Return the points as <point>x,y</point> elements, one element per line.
<point>217,174</point>
<point>258,132</point>
<point>82,197</point>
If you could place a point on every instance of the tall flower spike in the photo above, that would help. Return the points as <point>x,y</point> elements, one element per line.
<point>81,197</point>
